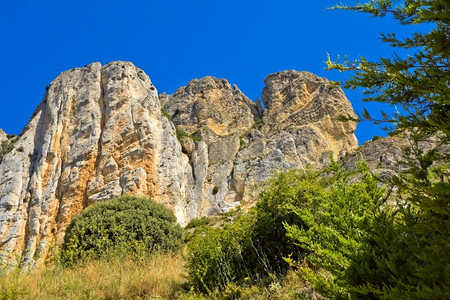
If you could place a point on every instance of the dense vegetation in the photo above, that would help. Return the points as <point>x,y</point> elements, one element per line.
<point>315,222</point>
<point>120,227</point>
<point>159,276</point>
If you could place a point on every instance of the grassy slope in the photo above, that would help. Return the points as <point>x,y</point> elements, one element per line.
<point>157,277</point>
<point>160,277</point>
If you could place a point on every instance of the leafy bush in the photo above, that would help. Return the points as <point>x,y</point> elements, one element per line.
<point>314,221</point>
<point>198,222</point>
<point>216,256</point>
<point>252,247</point>
<point>293,188</point>
<point>127,225</point>
<point>335,226</point>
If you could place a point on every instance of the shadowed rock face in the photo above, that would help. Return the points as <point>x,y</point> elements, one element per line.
<point>100,132</point>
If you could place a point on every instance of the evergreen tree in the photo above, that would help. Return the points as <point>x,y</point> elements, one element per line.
<point>408,257</point>
<point>419,82</point>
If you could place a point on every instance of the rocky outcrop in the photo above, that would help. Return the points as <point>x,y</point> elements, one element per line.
<point>247,144</point>
<point>3,136</point>
<point>305,108</point>
<point>97,134</point>
<point>210,107</point>
<point>386,156</point>
<point>101,132</point>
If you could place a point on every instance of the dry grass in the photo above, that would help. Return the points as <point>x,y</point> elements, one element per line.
<point>148,278</point>
<point>159,277</point>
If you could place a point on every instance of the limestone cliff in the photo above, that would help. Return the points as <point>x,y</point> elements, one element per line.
<point>101,132</point>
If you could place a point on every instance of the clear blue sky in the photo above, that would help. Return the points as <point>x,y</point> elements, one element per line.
<point>176,41</point>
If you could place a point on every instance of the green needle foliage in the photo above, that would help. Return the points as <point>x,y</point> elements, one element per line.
<point>418,82</point>
<point>407,256</point>
<point>124,226</point>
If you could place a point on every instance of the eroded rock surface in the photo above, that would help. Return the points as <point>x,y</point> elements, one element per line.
<point>386,156</point>
<point>305,108</point>
<point>2,136</point>
<point>246,144</point>
<point>97,134</point>
<point>101,132</point>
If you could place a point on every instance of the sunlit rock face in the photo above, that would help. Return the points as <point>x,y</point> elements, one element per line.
<point>387,156</point>
<point>2,136</point>
<point>306,107</point>
<point>103,131</point>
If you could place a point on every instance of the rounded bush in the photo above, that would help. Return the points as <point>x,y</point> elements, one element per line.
<point>127,225</point>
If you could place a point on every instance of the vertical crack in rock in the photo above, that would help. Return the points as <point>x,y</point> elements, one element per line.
<point>102,110</point>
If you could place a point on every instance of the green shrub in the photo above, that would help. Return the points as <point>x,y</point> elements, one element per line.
<point>198,222</point>
<point>181,134</point>
<point>216,256</point>
<point>292,188</point>
<point>252,246</point>
<point>376,138</point>
<point>312,220</point>
<point>7,146</point>
<point>334,227</point>
<point>127,225</point>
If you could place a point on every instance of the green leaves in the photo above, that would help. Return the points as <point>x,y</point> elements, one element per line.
<point>123,226</point>
<point>218,256</point>
<point>334,225</point>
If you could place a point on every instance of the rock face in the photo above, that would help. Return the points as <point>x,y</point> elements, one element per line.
<point>385,156</point>
<point>2,136</point>
<point>305,107</point>
<point>101,132</point>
